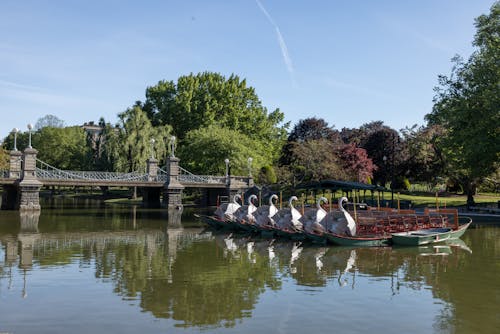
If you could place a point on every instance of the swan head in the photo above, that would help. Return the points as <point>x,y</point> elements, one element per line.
<point>341,201</point>
<point>290,201</point>
<point>251,198</point>
<point>236,198</point>
<point>273,196</point>
<point>321,200</point>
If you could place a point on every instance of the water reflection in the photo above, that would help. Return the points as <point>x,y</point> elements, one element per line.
<point>204,279</point>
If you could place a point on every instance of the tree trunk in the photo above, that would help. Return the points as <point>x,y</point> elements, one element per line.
<point>470,190</point>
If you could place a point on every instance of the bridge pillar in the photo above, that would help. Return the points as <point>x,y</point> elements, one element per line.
<point>15,165</point>
<point>172,190</point>
<point>10,194</point>
<point>29,187</point>
<point>152,169</point>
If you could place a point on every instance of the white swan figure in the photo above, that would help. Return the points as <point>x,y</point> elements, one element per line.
<point>245,212</point>
<point>351,224</point>
<point>289,218</point>
<point>226,210</point>
<point>312,218</point>
<point>340,221</point>
<point>265,212</point>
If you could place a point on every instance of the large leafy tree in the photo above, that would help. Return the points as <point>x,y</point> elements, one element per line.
<point>384,148</point>
<point>315,160</point>
<point>208,98</point>
<point>467,105</point>
<point>308,129</point>
<point>424,159</point>
<point>64,148</point>
<point>356,163</point>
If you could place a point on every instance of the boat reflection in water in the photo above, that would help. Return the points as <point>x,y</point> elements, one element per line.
<point>204,279</point>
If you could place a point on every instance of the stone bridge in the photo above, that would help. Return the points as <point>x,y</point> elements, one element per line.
<point>27,175</point>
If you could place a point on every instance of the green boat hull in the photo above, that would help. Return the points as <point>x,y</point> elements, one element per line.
<point>421,237</point>
<point>375,241</point>
<point>315,238</point>
<point>416,238</point>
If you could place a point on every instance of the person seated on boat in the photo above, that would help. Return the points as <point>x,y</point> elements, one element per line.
<point>265,212</point>
<point>226,211</point>
<point>340,221</point>
<point>312,218</point>
<point>245,213</point>
<point>289,218</point>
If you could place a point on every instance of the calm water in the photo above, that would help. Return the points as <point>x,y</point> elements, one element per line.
<point>112,269</point>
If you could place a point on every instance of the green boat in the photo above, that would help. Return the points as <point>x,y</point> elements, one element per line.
<point>421,237</point>
<point>363,241</point>
<point>430,235</point>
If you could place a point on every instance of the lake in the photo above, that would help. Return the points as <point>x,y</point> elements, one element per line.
<point>123,269</point>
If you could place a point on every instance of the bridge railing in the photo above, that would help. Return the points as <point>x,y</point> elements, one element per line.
<point>46,171</point>
<point>186,176</point>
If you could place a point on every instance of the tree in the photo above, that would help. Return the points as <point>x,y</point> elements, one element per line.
<point>204,151</point>
<point>356,163</point>
<point>384,148</point>
<point>206,99</point>
<point>50,121</point>
<point>129,145</point>
<point>308,129</point>
<point>209,99</point>
<point>424,159</point>
<point>315,160</point>
<point>4,159</point>
<point>64,148</point>
<point>467,105</point>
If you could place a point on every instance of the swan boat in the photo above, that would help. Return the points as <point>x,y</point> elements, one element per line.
<point>369,227</point>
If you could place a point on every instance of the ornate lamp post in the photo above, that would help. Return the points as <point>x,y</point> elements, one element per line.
<point>30,127</point>
<point>15,131</point>
<point>250,166</point>
<point>152,141</point>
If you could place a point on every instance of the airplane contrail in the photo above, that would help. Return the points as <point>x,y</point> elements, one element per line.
<point>284,50</point>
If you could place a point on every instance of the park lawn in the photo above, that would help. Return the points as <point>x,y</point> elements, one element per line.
<point>449,200</point>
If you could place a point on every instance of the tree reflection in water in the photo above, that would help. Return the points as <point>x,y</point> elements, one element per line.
<point>211,280</point>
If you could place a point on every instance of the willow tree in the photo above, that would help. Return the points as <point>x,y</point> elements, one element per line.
<point>467,105</point>
<point>129,145</point>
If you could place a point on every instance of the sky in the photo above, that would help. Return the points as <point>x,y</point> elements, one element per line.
<point>348,62</point>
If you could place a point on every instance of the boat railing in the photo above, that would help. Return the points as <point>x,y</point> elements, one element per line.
<point>448,212</point>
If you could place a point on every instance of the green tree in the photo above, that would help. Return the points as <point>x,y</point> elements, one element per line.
<point>424,159</point>
<point>204,151</point>
<point>206,99</point>
<point>315,160</point>
<point>128,145</point>
<point>467,105</point>
<point>308,129</point>
<point>64,148</point>
<point>4,159</point>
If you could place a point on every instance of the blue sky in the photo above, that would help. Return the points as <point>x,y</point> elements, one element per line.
<point>349,62</point>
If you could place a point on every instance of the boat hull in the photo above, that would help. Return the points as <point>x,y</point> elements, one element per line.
<point>421,237</point>
<point>316,238</point>
<point>343,240</point>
